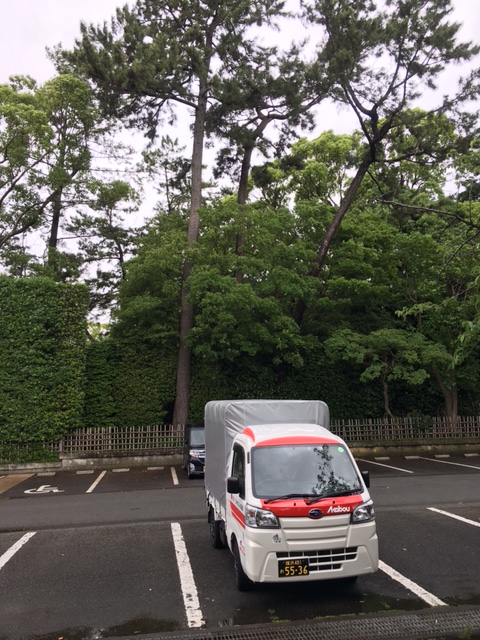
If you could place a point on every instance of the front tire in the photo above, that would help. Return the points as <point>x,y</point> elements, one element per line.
<point>243,582</point>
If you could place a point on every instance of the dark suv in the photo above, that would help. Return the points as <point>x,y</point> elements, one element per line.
<point>194,450</point>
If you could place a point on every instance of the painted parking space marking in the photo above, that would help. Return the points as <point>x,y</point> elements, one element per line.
<point>388,466</point>
<point>187,582</point>
<point>43,489</point>
<point>457,464</point>
<point>8,555</point>
<point>8,482</point>
<point>454,515</point>
<point>92,486</point>
<point>415,588</point>
<point>46,474</point>
<point>174,475</point>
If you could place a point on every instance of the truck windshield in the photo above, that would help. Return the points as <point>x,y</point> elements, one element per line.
<point>303,470</point>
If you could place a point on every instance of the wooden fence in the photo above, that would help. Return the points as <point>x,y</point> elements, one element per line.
<point>384,430</point>
<point>155,439</point>
<point>164,439</point>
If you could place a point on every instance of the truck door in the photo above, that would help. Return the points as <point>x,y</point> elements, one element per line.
<point>237,500</point>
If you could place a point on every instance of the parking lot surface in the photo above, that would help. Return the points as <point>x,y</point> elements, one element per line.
<point>126,552</point>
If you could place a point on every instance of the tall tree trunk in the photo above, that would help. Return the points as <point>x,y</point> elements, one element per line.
<point>242,191</point>
<point>386,397</point>
<point>241,201</point>
<point>184,361</point>
<point>52,259</point>
<point>322,252</point>
<point>450,396</point>
<point>345,204</point>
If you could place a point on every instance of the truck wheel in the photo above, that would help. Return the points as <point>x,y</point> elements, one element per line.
<point>243,581</point>
<point>215,535</point>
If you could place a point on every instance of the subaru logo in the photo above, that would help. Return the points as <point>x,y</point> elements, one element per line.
<point>315,514</point>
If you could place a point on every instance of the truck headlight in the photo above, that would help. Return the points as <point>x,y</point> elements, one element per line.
<point>255,517</point>
<point>364,513</point>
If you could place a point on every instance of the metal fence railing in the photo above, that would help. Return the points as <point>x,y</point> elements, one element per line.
<point>164,439</point>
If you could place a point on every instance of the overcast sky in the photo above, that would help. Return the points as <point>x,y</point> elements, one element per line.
<point>28,26</point>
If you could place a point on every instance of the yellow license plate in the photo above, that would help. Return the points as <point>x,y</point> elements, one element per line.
<point>293,567</point>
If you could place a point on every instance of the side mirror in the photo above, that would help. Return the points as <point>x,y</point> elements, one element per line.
<point>233,485</point>
<point>366,478</point>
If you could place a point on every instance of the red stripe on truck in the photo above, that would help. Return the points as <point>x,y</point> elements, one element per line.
<point>298,507</point>
<point>237,514</point>
<point>248,432</point>
<point>292,440</point>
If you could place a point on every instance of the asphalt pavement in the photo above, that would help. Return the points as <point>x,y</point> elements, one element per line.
<point>101,554</point>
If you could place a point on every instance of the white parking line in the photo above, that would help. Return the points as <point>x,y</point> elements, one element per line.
<point>386,465</point>
<point>419,591</point>
<point>92,487</point>
<point>8,555</point>
<point>457,464</point>
<point>187,582</point>
<point>174,475</point>
<point>453,515</point>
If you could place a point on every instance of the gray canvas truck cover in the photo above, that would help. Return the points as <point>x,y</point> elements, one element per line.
<point>224,419</point>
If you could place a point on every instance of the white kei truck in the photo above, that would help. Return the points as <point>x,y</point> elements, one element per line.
<point>285,494</point>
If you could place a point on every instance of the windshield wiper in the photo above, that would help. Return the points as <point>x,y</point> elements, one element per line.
<point>333,494</point>
<point>291,495</point>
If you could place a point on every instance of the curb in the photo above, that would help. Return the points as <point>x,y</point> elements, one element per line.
<point>361,450</point>
<point>72,464</point>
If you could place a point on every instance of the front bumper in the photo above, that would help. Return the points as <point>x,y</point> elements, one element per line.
<point>347,551</point>
<point>196,467</point>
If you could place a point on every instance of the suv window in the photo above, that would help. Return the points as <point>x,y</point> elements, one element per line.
<point>196,437</point>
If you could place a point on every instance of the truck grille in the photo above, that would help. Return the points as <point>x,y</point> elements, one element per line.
<point>324,560</point>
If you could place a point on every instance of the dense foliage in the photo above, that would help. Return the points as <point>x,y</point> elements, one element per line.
<point>340,267</point>
<point>42,351</point>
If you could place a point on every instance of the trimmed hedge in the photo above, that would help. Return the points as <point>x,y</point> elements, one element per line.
<point>128,385</point>
<point>42,358</point>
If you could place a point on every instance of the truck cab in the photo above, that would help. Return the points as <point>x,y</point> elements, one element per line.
<point>297,507</point>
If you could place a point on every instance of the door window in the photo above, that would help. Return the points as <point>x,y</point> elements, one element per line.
<point>238,467</point>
